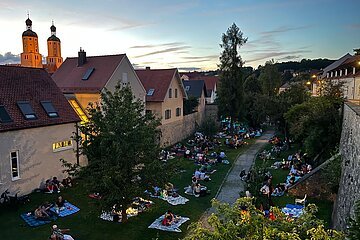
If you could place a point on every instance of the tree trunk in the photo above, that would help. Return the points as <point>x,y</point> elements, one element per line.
<point>124,217</point>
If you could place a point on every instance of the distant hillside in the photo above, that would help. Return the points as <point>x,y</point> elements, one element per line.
<point>305,64</point>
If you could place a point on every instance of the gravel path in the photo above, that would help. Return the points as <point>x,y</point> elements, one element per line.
<point>231,187</point>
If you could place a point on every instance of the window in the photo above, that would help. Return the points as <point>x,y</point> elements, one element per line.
<point>87,74</point>
<point>49,109</point>
<point>178,112</point>
<point>150,92</point>
<point>80,112</point>
<point>168,114</point>
<point>26,110</point>
<point>176,93</point>
<point>148,111</point>
<point>124,79</point>
<point>4,115</point>
<point>187,88</point>
<point>170,93</point>
<point>14,161</point>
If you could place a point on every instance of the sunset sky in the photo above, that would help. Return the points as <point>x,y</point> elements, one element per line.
<point>186,34</point>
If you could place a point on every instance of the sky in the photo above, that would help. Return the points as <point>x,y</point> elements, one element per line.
<point>185,34</point>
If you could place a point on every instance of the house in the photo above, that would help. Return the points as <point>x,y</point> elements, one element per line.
<point>164,93</point>
<point>211,83</point>
<point>196,88</point>
<point>347,71</point>
<point>82,79</point>
<point>164,98</point>
<point>36,129</point>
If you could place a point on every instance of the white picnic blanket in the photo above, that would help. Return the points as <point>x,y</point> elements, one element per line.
<point>172,228</point>
<point>175,200</point>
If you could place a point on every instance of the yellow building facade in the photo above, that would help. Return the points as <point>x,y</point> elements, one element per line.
<point>54,59</point>
<point>30,57</point>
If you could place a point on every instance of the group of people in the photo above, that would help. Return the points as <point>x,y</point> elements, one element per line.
<point>169,218</point>
<point>53,185</point>
<point>43,212</point>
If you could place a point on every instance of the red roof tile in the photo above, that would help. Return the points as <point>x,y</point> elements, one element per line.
<point>69,76</point>
<point>157,79</point>
<point>33,85</point>
<point>210,81</point>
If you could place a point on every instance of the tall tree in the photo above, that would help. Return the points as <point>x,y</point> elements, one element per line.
<point>122,149</point>
<point>270,78</point>
<point>230,92</point>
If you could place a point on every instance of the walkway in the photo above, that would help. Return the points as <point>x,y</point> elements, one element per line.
<point>232,186</point>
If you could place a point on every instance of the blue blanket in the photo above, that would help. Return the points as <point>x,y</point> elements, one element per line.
<point>292,210</point>
<point>68,210</point>
<point>32,221</point>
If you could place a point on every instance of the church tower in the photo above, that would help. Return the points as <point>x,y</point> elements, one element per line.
<point>54,59</point>
<point>30,57</point>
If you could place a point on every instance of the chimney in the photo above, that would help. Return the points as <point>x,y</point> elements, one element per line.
<point>81,57</point>
<point>147,68</point>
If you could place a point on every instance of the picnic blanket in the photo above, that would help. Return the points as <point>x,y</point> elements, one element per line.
<point>68,210</point>
<point>175,200</point>
<point>107,216</point>
<point>288,179</point>
<point>293,210</point>
<point>172,228</point>
<point>30,219</point>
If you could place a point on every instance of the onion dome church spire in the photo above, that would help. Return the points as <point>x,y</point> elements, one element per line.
<point>54,59</point>
<point>30,57</point>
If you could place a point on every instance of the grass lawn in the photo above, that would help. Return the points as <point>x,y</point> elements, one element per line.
<point>87,225</point>
<point>279,176</point>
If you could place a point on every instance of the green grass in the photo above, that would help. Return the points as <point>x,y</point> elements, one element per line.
<point>279,176</point>
<point>86,225</point>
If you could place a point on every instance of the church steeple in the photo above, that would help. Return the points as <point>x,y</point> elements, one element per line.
<point>54,59</point>
<point>30,57</point>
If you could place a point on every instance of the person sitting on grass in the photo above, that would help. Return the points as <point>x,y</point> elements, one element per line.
<point>59,204</point>
<point>169,218</point>
<point>59,234</point>
<point>41,214</point>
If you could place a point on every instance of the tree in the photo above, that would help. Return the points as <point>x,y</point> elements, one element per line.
<point>230,92</point>
<point>244,221</point>
<point>270,79</point>
<point>316,123</point>
<point>354,228</point>
<point>122,149</point>
<point>190,104</point>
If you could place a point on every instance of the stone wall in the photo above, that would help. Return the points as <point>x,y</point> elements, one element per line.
<point>349,190</point>
<point>211,111</point>
<point>314,184</point>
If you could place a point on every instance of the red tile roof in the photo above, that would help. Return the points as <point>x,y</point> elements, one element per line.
<point>33,85</point>
<point>157,79</point>
<point>210,81</point>
<point>69,76</point>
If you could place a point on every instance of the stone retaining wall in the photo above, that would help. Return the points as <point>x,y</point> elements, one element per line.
<point>349,190</point>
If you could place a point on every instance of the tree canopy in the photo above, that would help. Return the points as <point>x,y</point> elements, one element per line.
<point>122,149</point>
<point>230,91</point>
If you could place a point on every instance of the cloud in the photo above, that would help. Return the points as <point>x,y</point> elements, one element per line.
<point>9,58</point>
<point>166,50</point>
<point>284,29</point>
<point>210,57</point>
<point>290,57</point>
<point>188,69</point>
<point>354,26</point>
<point>263,56</point>
<point>171,44</point>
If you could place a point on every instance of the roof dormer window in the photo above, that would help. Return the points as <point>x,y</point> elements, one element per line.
<point>87,74</point>
<point>4,115</point>
<point>26,110</point>
<point>49,109</point>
